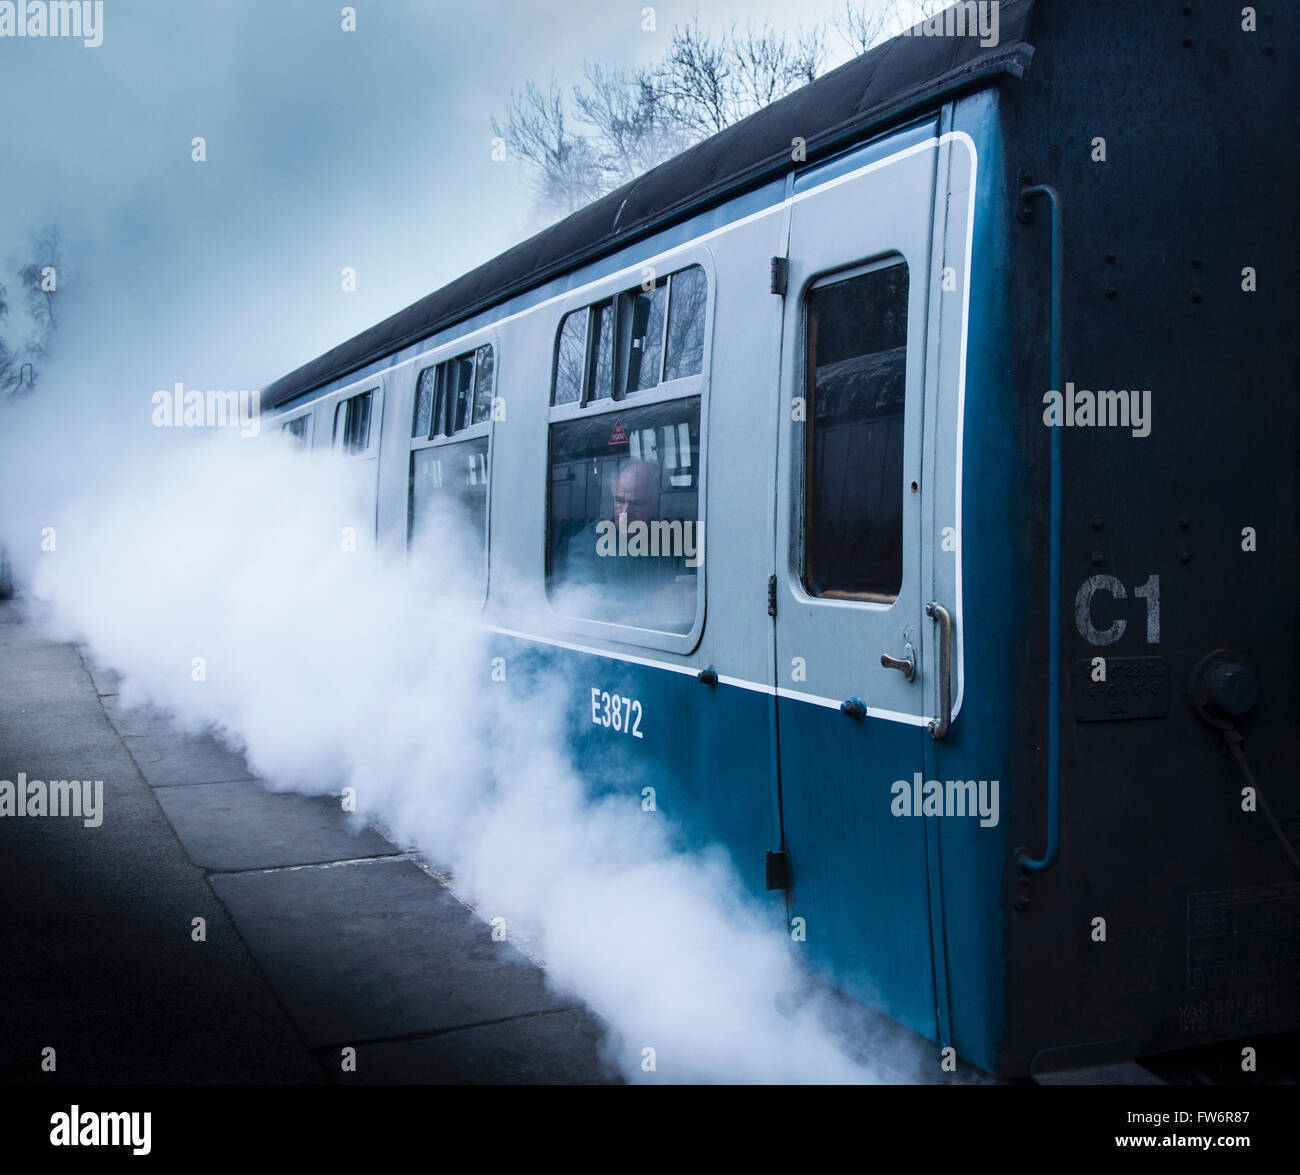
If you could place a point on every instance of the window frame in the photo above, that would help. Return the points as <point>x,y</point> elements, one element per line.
<point>665,391</point>
<point>443,353</point>
<point>375,385</point>
<point>309,414</point>
<point>622,361</point>
<point>803,500</point>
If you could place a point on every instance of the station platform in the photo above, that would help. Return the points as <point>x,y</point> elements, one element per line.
<point>317,939</point>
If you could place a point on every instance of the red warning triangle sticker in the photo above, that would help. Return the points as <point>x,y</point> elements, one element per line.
<point>618,436</point>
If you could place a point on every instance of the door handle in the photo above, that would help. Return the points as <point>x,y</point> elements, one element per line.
<point>906,665</point>
<point>939,726</point>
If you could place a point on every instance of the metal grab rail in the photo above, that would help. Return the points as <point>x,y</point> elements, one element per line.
<point>939,726</point>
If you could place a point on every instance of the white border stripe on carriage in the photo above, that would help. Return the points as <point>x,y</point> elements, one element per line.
<point>690,671</point>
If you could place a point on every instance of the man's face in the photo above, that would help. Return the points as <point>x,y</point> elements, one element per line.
<point>636,494</point>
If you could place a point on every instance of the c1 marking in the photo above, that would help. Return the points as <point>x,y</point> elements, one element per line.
<point>1149,591</point>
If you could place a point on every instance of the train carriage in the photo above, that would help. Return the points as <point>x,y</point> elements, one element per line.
<point>939,424</point>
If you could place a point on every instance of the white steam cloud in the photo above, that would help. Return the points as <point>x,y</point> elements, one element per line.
<point>335,668</point>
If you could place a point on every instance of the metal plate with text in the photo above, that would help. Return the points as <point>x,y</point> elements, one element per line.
<point>1135,687</point>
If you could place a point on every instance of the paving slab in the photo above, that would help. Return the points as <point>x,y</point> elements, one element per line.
<point>106,681</point>
<point>170,760</point>
<point>227,827</point>
<point>136,721</point>
<point>559,1048</point>
<point>378,949</point>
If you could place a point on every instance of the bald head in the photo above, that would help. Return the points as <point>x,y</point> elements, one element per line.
<point>636,492</point>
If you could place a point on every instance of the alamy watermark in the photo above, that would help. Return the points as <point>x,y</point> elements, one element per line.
<point>55,18</point>
<point>676,538</point>
<point>78,1127</point>
<point>953,797</point>
<point>970,18</point>
<point>1108,409</point>
<point>82,798</point>
<point>211,409</point>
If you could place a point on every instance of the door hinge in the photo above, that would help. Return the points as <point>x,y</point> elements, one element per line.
<point>778,869</point>
<point>780,275</point>
<point>771,595</point>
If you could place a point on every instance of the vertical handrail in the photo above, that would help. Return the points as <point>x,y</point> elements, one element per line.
<point>1048,859</point>
<point>939,726</point>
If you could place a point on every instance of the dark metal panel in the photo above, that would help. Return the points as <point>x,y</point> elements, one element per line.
<point>1200,119</point>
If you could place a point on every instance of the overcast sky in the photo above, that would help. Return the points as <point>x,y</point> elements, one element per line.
<point>325,149</point>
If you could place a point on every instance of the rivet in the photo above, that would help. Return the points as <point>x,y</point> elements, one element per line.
<point>1110,292</point>
<point>1097,558</point>
<point>1096,522</point>
<point>1184,555</point>
<point>1196,294</point>
<point>1184,522</point>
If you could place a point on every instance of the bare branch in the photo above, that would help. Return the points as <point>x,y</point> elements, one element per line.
<point>865,24</point>
<point>47,253</point>
<point>565,173</point>
<point>696,81</point>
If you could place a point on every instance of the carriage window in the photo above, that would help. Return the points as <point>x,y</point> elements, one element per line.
<point>569,359</point>
<point>352,423</point>
<point>641,336</point>
<point>484,367</point>
<point>616,347</point>
<point>601,384</point>
<point>460,390</point>
<point>447,506</point>
<point>296,431</point>
<point>425,388</point>
<point>454,395</point>
<point>624,541</point>
<point>686,304</point>
<point>446,512</point>
<point>856,352</point>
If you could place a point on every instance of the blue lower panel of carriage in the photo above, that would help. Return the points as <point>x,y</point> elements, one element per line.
<point>709,752</point>
<point>860,875</point>
<point>706,750</point>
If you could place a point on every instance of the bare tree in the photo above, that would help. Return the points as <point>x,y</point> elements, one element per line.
<point>564,170</point>
<point>863,25</point>
<point>630,121</point>
<point>6,355</point>
<point>41,278</point>
<point>627,121</point>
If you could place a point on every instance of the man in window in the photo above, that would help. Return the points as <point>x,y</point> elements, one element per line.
<point>633,565</point>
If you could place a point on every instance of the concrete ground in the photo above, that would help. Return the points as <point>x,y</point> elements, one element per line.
<point>318,940</point>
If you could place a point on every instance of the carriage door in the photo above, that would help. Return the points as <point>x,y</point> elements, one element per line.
<point>849,580</point>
